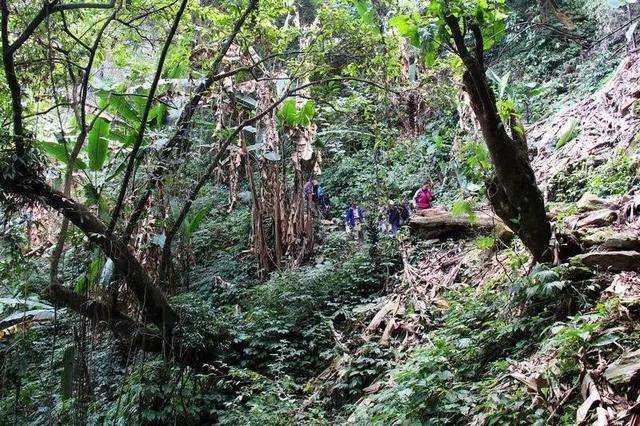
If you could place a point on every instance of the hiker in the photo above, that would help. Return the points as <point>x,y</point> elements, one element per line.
<point>394,216</point>
<point>423,197</point>
<point>308,190</point>
<point>354,219</point>
<point>324,204</point>
<point>404,212</point>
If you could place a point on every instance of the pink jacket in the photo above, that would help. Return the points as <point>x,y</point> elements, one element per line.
<point>423,199</point>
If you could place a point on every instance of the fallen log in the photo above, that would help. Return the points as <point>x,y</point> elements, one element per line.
<point>439,223</point>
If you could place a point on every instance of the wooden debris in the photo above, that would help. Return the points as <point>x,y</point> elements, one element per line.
<point>610,260</point>
<point>590,393</point>
<point>438,223</point>
<point>606,124</point>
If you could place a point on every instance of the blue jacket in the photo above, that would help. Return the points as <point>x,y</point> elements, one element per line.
<point>352,216</point>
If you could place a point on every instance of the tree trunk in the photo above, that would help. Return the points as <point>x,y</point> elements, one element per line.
<point>151,298</point>
<point>513,191</point>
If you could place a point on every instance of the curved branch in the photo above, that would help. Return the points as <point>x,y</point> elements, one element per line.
<point>151,299</point>
<point>49,9</point>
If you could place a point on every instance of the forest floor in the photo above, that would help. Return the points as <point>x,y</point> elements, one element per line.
<point>559,340</point>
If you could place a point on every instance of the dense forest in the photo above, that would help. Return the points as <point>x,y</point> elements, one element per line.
<point>363,212</point>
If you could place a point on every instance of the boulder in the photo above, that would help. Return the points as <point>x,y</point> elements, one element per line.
<point>596,219</point>
<point>624,370</point>
<point>610,260</point>
<point>590,202</point>
<point>438,223</point>
<point>614,240</point>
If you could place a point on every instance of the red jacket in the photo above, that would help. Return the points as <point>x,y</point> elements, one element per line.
<point>423,199</point>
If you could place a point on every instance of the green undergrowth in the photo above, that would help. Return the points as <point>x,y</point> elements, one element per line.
<point>461,374</point>
<point>614,176</point>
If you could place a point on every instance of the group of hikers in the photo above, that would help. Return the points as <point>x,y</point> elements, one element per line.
<point>318,196</point>
<point>398,214</point>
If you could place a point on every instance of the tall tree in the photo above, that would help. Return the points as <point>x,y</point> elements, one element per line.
<point>467,29</point>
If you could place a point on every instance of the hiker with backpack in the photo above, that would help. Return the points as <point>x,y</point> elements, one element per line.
<point>394,216</point>
<point>423,197</point>
<point>354,219</point>
<point>398,215</point>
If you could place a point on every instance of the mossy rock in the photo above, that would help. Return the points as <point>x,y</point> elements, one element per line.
<point>614,240</point>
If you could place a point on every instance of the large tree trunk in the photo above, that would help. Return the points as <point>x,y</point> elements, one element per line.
<point>513,191</point>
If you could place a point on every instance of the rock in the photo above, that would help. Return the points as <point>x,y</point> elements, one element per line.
<point>590,202</point>
<point>596,219</point>
<point>438,223</point>
<point>610,260</point>
<point>623,370</point>
<point>614,240</point>
<point>573,272</point>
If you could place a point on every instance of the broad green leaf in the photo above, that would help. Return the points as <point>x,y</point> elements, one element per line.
<point>157,114</point>
<point>124,108</point>
<point>406,28</point>
<point>288,114</point>
<point>195,221</point>
<point>98,146</point>
<point>306,113</point>
<point>568,132</point>
<point>59,152</point>
<point>124,139</point>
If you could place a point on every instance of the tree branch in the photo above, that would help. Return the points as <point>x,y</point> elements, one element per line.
<point>49,9</point>
<point>122,325</point>
<point>183,122</point>
<point>143,121</point>
<point>12,79</point>
<point>151,299</point>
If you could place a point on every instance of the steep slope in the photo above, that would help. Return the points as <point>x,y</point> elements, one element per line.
<point>604,122</point>
<point>497,342</point>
